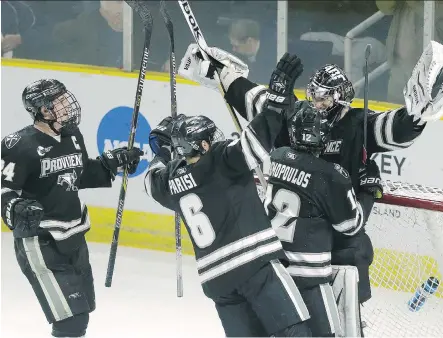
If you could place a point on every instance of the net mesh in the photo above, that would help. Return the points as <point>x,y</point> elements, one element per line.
<point>406,229</point>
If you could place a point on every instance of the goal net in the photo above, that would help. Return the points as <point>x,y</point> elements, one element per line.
<point>406,229</point>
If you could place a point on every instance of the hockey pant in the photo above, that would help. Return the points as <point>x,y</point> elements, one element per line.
<point>268,304</point>
<point>320,301</point>
<point>62,283</point>
<point>356,251</point>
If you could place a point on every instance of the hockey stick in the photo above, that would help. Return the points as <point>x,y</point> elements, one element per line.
<point>201,42</point>
<point>365,100</point>
<point>142,10</point>
<point>173,85</point>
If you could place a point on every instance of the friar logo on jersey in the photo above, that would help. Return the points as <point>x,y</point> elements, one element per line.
<point>54,165</point>
<point>333,147</point>
<point>11,140</point>
<point>68,180</point>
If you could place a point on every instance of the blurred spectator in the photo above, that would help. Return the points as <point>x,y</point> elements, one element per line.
<point>405,40</point>
<point>94,37</point>
<point>247,42</point>
<point>17,18</point>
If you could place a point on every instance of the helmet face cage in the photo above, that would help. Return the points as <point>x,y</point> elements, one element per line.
<point>188,134</point>
<point>330,91</point>
<point>60,103</point>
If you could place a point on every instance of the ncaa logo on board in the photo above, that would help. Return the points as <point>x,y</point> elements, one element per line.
<point>113,132</point>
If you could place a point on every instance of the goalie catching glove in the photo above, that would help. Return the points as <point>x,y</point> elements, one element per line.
<point>424,90</point>
<point>195,68</point>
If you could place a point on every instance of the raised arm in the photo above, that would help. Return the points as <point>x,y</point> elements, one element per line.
<point>392,130</point>
<point>257,139</point>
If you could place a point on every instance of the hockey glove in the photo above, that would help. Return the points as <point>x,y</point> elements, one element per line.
<point>281,86</point>
<point>195,68</point>
<point>370,180</point>
<point>115,160</point>
<point>424,90</point>
<point>160,136</point>
<point>23,217</point>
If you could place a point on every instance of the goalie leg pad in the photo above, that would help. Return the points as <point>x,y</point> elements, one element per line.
<point>320,301</point>
<point>345,287</point>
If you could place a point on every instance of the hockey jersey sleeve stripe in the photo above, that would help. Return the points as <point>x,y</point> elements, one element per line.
<point>308,257</point>
<point>236,246</point>
<point>383,131</point>
<point>309,271</point>
<point>6,190</point>
<point>255,98</point>
<point>291,289</point>
<point>351,226</point>
<point>148,177</point>
<point>239,260</point>
<point>54,296</point>
<point>256,146</point>
<point>251,161</point>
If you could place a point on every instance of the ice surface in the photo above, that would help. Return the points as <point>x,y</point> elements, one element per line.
<point>142,301</point>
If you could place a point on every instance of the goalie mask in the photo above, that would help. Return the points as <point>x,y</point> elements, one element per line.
<point>309,131</point>
<point>189,132</point>
<point>330,91</point>
<point>59,103</point>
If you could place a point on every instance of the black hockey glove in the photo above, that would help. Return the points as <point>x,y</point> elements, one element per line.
<point>23,217</point>
<point>281,86</point>
<point>370,180</point>
<point>116,159</point>
<point>160,136</point>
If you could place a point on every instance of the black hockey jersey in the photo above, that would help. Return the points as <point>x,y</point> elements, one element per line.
<point>387,131</point>
<point>51,170</point>
<point>217,199</point>
<point>306,199</point>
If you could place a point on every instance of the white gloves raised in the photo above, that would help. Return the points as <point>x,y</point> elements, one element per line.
<point>424,91</point>
<point>194,68</point>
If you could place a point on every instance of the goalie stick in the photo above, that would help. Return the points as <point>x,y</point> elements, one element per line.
<point>201,42</point>
<point>142,10</point>
<point>173,85</point>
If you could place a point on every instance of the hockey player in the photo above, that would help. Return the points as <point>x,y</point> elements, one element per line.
<point>306,199</point>
<point>331,92</point>
<point>43,167</point>
<point>213,189</point>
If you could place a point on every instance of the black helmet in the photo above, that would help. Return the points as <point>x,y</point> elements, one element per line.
<point>331,86</point>
<point>189,132</point>
<point>54,96</point>
<point>309,131</point>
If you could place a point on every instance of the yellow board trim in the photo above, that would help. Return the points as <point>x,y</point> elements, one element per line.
<point>153,76</point>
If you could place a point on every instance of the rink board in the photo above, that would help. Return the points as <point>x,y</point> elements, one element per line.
<point>157,232</point>
<point>145,224</point>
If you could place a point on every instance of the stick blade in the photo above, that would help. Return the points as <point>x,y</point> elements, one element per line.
<point>167,20</point>
<point>141,8</point>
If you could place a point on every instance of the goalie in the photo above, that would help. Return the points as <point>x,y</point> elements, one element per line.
<point>332,93</point>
